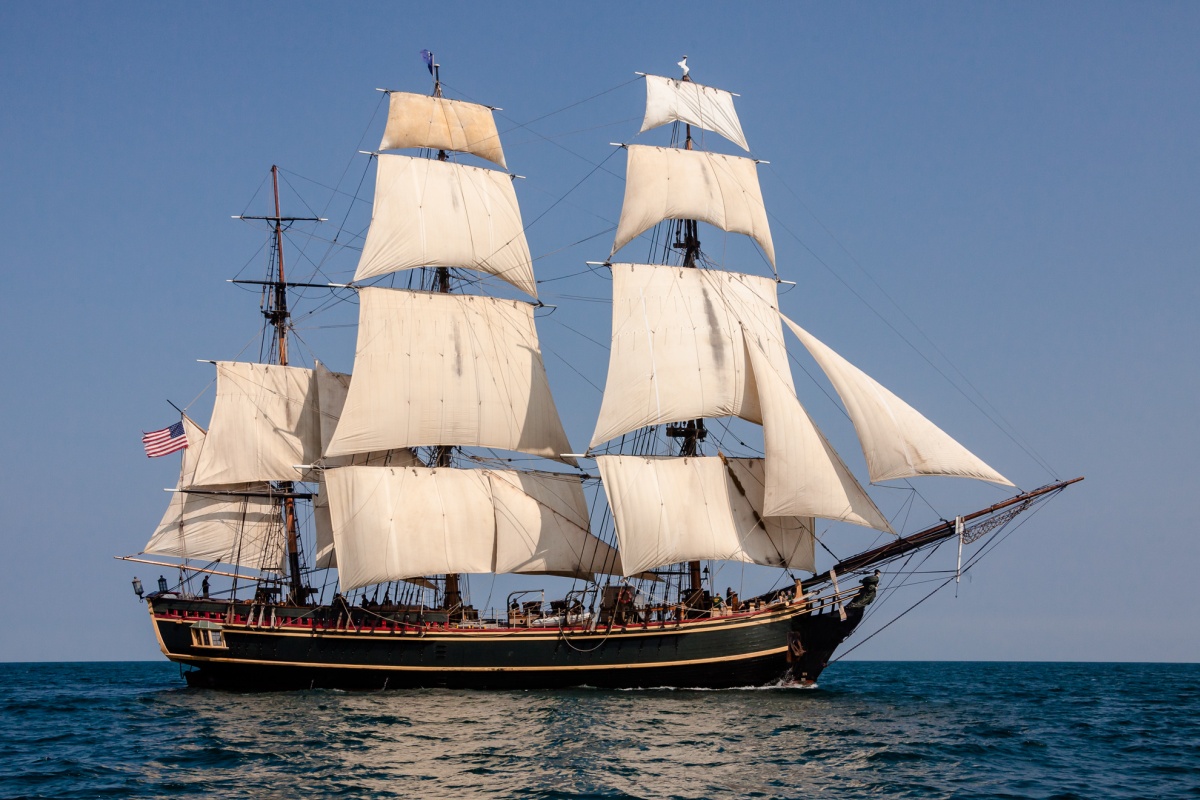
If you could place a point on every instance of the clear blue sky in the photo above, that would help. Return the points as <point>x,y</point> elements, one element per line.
<point>1021,179</point>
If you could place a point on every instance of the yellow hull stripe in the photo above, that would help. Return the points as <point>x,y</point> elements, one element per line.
<point>741,657</point>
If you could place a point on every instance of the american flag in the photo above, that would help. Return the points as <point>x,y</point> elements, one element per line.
<point>168,440</point>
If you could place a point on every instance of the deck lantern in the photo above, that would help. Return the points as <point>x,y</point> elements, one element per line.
<point>162,585</point>
<point>137,588</point>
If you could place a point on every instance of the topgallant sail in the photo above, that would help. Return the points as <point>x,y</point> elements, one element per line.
<point>389,473</point>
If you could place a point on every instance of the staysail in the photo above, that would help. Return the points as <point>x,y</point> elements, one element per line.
<point>804,474</point>
<point>897,440</point>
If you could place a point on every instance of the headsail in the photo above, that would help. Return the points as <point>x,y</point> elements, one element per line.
<point>418,120</point>
<point>447,369</point>
<point>669,510</point>
<point>677,346</point>
<point>431,213</point>
<point>897,440</point>
<point>392,523</point>
<point>670,100</point>
<point>804,474</point>
<point>264,423</point>
<point>666,183</point>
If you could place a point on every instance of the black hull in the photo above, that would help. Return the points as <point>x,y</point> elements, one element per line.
<point>291,650</point>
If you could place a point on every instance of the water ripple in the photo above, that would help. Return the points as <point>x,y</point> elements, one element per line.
<point>872,729</point>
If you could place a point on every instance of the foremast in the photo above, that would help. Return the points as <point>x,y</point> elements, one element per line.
<point>691,343</point>
<point>276,312</point>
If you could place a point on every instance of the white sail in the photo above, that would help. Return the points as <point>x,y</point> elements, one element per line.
<point>669,510</point>
<point>542,527</point>
<point>326,555</point>
<point>393,523</point>
<point>670,100</point>
<point>246,531</point>
<point>418,120</point>
<point>431,213</point>
<point>447,369</point>
<point>332,388</point>
<point>264,423</point>
<point>786,541</point>
<point>805,476</point>
<point>197,437</point>
<point>232,530</point>
<point>677,346</point>
<point>667,183</point>
<point>897,440</point>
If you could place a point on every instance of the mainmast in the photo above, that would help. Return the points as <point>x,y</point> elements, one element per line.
<point>451,594</point>
<point>692,432</point>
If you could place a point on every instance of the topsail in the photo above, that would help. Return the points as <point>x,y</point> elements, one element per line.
<point>264,423</point>
<point>431,213</point>
<point>665,183</point>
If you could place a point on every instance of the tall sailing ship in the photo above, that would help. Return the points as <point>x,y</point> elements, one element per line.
<point>384,487</point>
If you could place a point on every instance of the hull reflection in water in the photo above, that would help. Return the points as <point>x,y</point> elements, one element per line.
<point>873,729</point>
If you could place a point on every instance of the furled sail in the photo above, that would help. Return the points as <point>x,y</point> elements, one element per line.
<point>677,346</point>
<point>669,510</point>
<point>246,531</point>
<point>667,183</point>
<point>804,474</point>
<point>264,423</point>
<point>418,120</point>
<point>392,523</point>
<point>431,213</point>
<point>897,440</point>
<point>447,369</point>
<point>670,100</point>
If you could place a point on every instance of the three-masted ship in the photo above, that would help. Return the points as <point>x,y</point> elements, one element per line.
<point>392,468</point>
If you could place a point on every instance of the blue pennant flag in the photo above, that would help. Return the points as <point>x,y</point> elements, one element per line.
<point>428,56</point>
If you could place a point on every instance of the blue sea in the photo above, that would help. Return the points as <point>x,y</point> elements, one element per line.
<point>871,729</point>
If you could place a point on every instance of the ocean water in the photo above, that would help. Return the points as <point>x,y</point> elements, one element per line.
<point>872,729</point>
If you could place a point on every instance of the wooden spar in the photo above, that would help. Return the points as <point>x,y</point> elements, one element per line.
<point>929,536</point>
<point>279,316</point>
<point>451,591</point>
<point>189,569</point>
<point>235,493</point>
<point>693,432</point>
